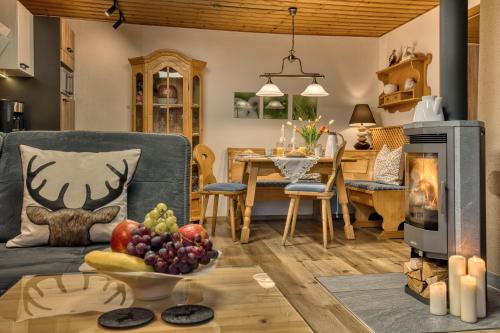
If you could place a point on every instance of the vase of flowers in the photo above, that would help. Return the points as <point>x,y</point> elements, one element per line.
<point>311,133</point>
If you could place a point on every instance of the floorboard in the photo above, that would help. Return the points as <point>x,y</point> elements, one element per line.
<point>294,268</point>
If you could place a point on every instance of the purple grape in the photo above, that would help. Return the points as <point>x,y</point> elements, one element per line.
<point>146,239</point>
<point>212,254</point>
<point>195,265</point>
<point>166,237</point>
<point>161,266</point>
<point>177,245</point>
<point>169,245</point>
<point>136,239</point>
<point>131,249</point>
<point>197,238</point>
<point>176,237</point>
<point>150,258</point>
<point>175,260</point>
<point>163,253</point>
<point>204,260</point>
<point>140,249</point>
<point>172,269</point>
<point>171,254</point>
<point>185,268</point>
<point>198,252</point>
<point>143,231</point>
<point>186,242</point>
<point>153,234</point>
<point>181,252</point>
<point>191,258</point>
<point>156,243</point>
<point>207,244</point>
<point>135,232</point>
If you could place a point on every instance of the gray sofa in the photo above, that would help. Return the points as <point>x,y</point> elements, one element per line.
<point>162,175</point>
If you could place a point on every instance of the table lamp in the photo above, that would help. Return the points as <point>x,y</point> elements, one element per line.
<point>362,117</point>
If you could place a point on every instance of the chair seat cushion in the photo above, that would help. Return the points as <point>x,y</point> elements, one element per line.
<point>306,187</point>
<point>373,186</point>
<point>225,187</point>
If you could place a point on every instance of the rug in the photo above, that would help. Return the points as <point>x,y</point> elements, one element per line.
<point>379,300</point>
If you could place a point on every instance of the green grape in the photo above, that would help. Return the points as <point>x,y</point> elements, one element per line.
<point>174,228</point>
<point>154,214</point>
<point>161,220</point>
<point>170,213</point>
<point>147,217</point>
<point>161,228</point>
<point>172,219</point>
<point>149,223</point>
<point>161,207</point>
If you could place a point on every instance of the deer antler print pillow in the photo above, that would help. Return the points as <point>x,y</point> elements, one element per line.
<point>73,199</point>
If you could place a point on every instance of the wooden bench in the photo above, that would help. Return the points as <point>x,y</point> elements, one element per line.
<point>369,197</point>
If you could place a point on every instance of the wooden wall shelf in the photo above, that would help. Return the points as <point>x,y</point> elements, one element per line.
<point>405,100</point>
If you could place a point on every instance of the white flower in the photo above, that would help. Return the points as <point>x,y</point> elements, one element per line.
<point>300,119</point>
<point>331,122</point>
<point>289,123</point>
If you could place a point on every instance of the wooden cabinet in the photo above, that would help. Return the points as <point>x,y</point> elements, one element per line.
<point>67,113</point>
<point>67,45</point>
<point>167,97</point>
<point>18,57</point>
<point>405,99</point>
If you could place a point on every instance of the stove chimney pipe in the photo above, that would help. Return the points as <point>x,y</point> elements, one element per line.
<point>453,58</point>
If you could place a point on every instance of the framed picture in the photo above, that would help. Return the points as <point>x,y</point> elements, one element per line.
<point>246,105</point>
<point>304,107</point>
<point>276,107</point>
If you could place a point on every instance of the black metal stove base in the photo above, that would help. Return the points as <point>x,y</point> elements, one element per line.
<point>416,296</point>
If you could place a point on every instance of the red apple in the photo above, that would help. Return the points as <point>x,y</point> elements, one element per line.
<point>189,231</point>
<point>122,235</point>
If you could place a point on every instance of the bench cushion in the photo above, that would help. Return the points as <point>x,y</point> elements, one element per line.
<point>306,187</point>
<point>225,187</point>
<point>372,186</point>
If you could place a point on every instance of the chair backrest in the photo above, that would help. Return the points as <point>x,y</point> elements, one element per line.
<point>204,157</point>
<point>337,160</point>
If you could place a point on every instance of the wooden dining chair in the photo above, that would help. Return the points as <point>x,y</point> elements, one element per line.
<point>208,185</point>
<point>318,191</point>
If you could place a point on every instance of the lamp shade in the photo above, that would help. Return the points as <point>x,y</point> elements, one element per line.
<point>362,116</point>
<point>315,90</point>
<point>269,89</point>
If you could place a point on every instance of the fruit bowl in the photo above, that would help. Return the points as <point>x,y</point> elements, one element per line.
<point>150,286</point>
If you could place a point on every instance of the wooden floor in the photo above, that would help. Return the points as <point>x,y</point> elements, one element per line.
<point>295,267</point>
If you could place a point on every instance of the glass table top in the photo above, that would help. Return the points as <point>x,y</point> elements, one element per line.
<point>244,299</point>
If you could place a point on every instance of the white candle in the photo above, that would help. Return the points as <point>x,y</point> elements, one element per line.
<point>468,287</point>
<point>477,269</point>
<point>293,142</point>
<point>282,137</point>
<point>456,269</point>
<point>438,296</point>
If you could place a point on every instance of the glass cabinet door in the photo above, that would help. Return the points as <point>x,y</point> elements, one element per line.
<point>196,110</point>
<point>138,103</point>
<point>168,105</point>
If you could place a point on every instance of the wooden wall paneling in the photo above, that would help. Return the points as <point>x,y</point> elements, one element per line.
<point>472,80</point>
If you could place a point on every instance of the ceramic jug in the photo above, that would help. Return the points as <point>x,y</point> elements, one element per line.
<point>331,144</point>
<point>429,109</point>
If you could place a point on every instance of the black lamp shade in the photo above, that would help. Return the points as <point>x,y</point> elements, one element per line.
<point>362,116</point>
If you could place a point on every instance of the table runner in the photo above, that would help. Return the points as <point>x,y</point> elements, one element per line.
<point>294,168</point>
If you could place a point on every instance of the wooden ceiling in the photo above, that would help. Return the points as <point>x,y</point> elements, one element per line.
<point>370,18</point>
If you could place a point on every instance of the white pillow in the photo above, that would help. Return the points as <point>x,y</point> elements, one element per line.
<point>388,168</point>
<point>73,199</point>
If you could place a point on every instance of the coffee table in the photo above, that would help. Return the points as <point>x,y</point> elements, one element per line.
<point>242,303</point>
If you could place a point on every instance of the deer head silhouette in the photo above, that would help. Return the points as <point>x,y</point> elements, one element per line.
<point>70,227</point>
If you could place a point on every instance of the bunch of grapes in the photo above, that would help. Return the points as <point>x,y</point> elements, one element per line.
<point>169,252</point>
<point>161,220</point>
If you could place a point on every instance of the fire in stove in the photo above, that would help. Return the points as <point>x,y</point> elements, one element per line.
<point>422,192</point>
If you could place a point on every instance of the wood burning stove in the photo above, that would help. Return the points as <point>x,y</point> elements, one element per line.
<point>445,200</point>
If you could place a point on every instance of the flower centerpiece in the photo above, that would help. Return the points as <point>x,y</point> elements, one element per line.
<point>311,133</point>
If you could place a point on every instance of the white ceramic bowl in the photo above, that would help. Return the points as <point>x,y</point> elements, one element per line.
<point>150,286</point>
<point>390,88</point>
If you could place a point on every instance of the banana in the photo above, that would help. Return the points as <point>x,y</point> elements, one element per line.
<point>116,262</point>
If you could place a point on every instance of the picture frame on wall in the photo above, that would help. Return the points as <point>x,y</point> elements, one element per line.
<point>304,107</point>
<point>246,105</point>
<point>275,107</point>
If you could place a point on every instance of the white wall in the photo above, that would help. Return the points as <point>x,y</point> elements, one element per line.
<point>234,61</point>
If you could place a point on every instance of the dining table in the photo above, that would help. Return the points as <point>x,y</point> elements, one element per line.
<point>259,165</point>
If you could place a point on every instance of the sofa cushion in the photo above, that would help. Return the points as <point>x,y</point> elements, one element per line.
<point>389,166</point>
<point>225,187</point>
<point>73,199</point>
<point>16,262</point>
<point>372,186</point>
<point>305,187</point>
<point>162,174</point>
